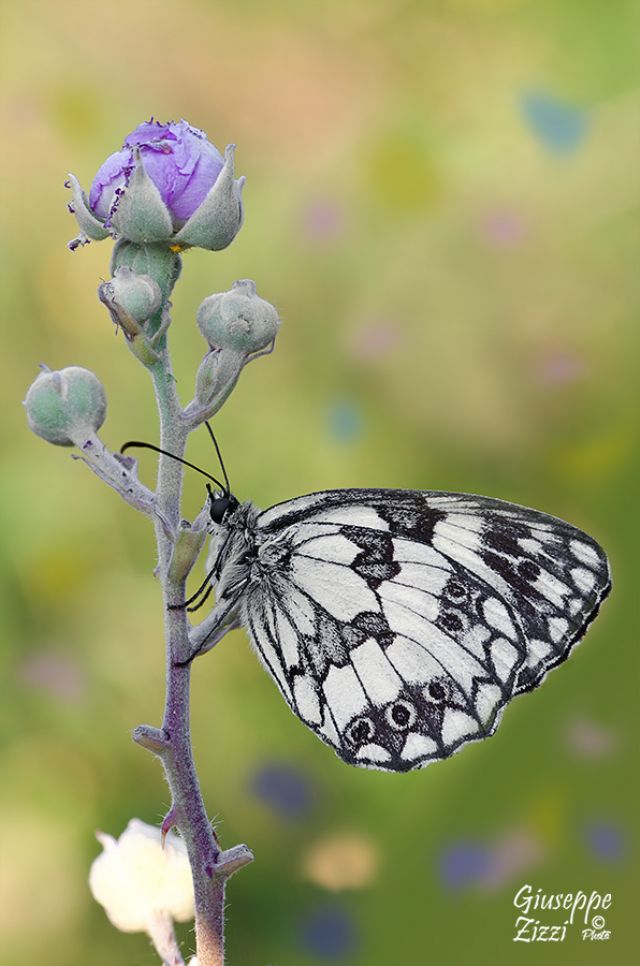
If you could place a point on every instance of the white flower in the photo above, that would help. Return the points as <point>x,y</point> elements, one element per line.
<point>135,878</point>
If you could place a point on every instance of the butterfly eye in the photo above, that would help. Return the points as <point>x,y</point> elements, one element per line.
<point>360,731</point>
<point>436,691</point>
<point>401,715</point>
<point>220,506</point>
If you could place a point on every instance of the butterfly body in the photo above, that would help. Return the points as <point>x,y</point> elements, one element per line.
<point>398,624</point>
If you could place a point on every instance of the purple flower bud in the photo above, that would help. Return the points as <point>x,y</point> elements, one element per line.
<point>180,161</point>
<point>168,184</point>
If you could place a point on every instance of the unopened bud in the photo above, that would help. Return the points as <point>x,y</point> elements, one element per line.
<point>238,319</point>
<point>63,405</point>
<point>185,552</point>
<point>138,295</point>
<point>217,375</point>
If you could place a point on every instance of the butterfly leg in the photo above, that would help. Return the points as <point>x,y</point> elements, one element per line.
<point>204,586</point>
<point>201,601</point>
<point>223,621</point>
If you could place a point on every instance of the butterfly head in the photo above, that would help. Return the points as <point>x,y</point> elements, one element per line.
<point>220,505</point>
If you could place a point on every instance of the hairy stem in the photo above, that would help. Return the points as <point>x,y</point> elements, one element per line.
<point>116,473</point>
<point>188,812</point>
<point>178,545</point>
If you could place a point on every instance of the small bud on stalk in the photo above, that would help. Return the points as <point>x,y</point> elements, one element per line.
<point>189,543</point>
<point>217,374</point>
<point>238,319</point>
<point>65,405</point>
<point>137,296</point>
<point>238,325</point>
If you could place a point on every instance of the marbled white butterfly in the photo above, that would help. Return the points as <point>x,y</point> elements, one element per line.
<point>398,624</point>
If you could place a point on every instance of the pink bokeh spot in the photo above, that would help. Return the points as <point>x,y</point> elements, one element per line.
<point>374,339</point>
<point>503,228</point>
<point>54,674</point>
<point>323,221</point>
<point>559,367</point>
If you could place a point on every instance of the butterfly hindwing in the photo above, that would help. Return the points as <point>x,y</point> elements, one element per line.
<point>553,575</point>
<point>398,624</point>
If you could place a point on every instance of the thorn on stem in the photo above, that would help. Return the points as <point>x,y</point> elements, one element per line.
<point>169,821</point>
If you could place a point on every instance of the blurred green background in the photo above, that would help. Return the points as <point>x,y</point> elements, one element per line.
<point>442,202</point>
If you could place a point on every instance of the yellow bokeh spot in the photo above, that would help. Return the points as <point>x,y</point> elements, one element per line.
<point>547,815</point>
<point>346,861</point>
<point>595,459</point>
<point>402,175</point>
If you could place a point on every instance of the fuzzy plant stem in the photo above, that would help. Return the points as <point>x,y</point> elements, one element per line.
<point>172,743</point>
<point>69,408</point>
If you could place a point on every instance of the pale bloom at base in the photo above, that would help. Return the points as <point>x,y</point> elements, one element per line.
<point>135,878</point>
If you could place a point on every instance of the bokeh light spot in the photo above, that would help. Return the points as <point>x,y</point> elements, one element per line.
<point>589,739</point>
<point>605,841</point>
<point>323,221</point>
<point>402,175</point>
<point>559,126</point>
<point>339,862</point>
<point>344,421</point>
<point>464,864</point>
<point>284,789</point>
<point>329,932</point>
<point>374,339</point>
<point>503,228</point>
<point>54,674</point>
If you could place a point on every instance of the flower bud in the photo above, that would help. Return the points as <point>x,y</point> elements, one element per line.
<point>135,878</point>
<point>217,375</point>
<point>168,184</point>
<point>138,295</point>
<point>61,406</point>
<point>188,545</point>
<point>238,319</point>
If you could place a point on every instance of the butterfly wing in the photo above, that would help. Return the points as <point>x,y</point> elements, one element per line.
<point>398,623</point>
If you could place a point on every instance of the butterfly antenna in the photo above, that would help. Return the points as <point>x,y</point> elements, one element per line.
<point>156,449</point>
<point>221,461</point>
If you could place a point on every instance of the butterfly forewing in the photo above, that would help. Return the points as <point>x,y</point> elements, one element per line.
<point>398,624</point>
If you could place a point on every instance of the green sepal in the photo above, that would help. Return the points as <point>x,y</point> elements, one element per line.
<point>218,219</point>
<point>141,215</point>
<point>88,223</point>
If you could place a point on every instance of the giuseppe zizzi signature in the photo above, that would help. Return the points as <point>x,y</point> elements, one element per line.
<point>580,909</point>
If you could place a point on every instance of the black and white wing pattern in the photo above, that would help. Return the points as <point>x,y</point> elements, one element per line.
<point>398,624</point>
